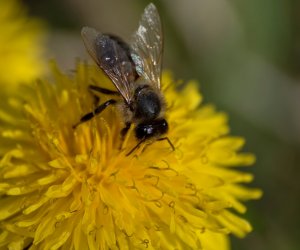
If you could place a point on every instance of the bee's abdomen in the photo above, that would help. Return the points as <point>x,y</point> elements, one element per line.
<point>109,52</point>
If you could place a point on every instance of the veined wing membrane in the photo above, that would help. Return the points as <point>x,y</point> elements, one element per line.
<point>113,59</point>
<point>147,46</point>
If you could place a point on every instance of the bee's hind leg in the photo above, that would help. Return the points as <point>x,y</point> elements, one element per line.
<point>97,111</point>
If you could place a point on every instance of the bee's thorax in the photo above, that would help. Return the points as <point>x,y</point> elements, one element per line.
<point>148,104</point>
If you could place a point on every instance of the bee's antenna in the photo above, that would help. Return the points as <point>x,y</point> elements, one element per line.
<point>168,140</point>
<point>136,146</point>
<point>161,139</point>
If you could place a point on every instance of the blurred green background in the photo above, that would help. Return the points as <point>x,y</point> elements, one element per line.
<point>246,57</point>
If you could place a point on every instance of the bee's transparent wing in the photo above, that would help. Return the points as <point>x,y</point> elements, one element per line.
<point>112,59</point>
<point>147,46</point>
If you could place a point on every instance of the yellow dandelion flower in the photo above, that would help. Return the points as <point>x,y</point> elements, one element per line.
<point>20,46</point>
<point>65,188</point>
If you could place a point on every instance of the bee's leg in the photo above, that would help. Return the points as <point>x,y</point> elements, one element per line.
<point>103,90</point>
<point>136,147</point>
<point>93,88</point>
<point>96,100</point>
<point>97,111</point>
<point>26,248</point>
<point>160,139</point>
<point>125,129</point>
<point>168,140</point>
<point>124,132</point>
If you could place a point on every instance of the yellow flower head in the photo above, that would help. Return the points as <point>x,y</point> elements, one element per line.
<point>65,188</point>
<point>20,48</point>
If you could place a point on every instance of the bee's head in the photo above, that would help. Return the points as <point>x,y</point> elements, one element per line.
<point>151,129</point>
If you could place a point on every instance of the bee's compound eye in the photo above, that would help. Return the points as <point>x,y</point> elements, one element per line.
<point>164,125</point>
<point>144,131</point>
<point>161,127</point>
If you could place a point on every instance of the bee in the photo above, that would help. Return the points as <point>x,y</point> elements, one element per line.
<point>135,70</point>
